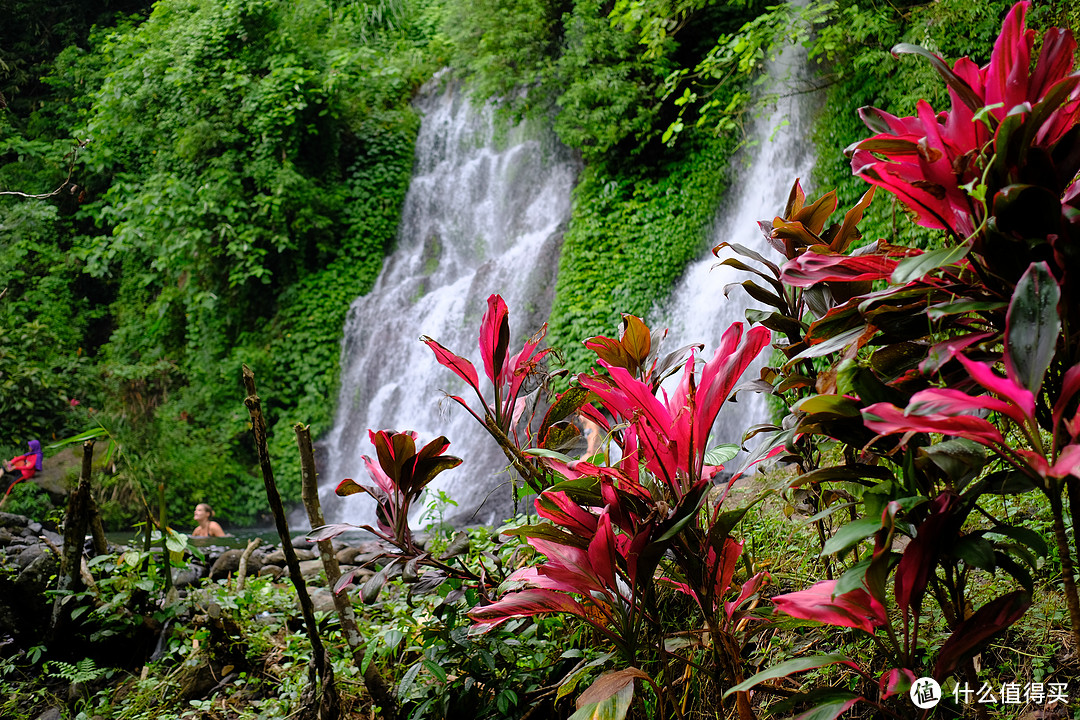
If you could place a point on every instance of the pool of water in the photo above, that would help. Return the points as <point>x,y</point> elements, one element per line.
<point>238,538</point>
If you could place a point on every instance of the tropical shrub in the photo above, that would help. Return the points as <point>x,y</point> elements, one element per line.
<point>910,341</point>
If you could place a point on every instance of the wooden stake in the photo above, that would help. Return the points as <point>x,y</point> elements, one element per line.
<point>321,660</point>
<point>375,683</point>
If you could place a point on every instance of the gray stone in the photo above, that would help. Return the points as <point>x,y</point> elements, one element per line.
<point>6,537</point>
<point>190,576</point>
<point>277,557</point>
<point>34,527</point>
<point>12,520</point>
<point>300,542</point>
<point>272,570</point>
<point>37,576</point>
<point>228,563</point>
<point>29,554</point>
<point>52,537</point>
<point>51,714</point>
<point>357,555</point>
<point>309,568</point>
<point>322,600</point>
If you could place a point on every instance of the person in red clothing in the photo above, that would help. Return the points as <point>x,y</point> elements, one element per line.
<point>26,465</point>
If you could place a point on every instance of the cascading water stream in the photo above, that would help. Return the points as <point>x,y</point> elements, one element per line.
<point>484,213</point>
<point>698,310</point>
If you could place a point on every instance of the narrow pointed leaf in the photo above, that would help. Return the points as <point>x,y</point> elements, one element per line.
<point>610,684</point>
<point>790,667</point>
<point>326,532</point>
<point>461,367</point>
<point>916,266</point>
<point>347,487</point>
<point>975,633</point>
<point>494,338</point>
<point>1032,326</point>
<point>962,89</point>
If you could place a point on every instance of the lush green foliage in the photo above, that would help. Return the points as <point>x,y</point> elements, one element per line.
<point>243,177</point>
<point>632,233</point>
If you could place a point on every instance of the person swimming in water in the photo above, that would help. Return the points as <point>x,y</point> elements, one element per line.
<point>206,527</point>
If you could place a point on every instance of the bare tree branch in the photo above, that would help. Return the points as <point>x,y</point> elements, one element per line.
<point>71,157</point>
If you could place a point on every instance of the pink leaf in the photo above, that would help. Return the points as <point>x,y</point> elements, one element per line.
<point>461,367</point>
<point>564,512</point>
<point>1003,387</point>
<point>494,339</point>
<point>854,609</point>
<point>1069,386</point>
<point>887,419</point>
<point>948,401</point>
<point>895,682</point>
<point>812,268</point>
<point>602,551</point>
<point>524,604</point>
<point>1067,463</point>
<point>749,588</point>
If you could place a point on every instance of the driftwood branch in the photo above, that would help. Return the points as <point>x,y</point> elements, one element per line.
<point>75,524</point>
<point>307,609</point>
<point>375,683</point>
<point>241,571</point>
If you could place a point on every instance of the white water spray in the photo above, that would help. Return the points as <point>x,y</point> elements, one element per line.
<point>698,309</point>
<point>485,213</point>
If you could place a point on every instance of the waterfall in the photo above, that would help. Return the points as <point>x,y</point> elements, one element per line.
<point>484,213</point>
<point>779,152</point>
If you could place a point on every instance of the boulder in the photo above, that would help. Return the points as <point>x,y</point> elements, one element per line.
<point>322,600</point>
<point>300,542</point>
<point>11,520</point>
<point>277,556</point>
<point>310,568</point>
<point>228,563</point>
<point>189,576</point>
<point>358,554</point>
<point>29,554</point>
<point>37,576</point>
<point>273,571</point>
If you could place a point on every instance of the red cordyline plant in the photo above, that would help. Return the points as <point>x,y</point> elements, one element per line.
<point>928,422</point>
<point>611,527</point>
<point>400,474</point>
<point>508,374</point>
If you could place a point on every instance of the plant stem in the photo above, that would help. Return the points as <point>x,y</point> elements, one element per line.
<point>1067,568</point>
<point>75,523</point>
<point>527,470</point>
<point>1072,485</point>
<point>166,561</point>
